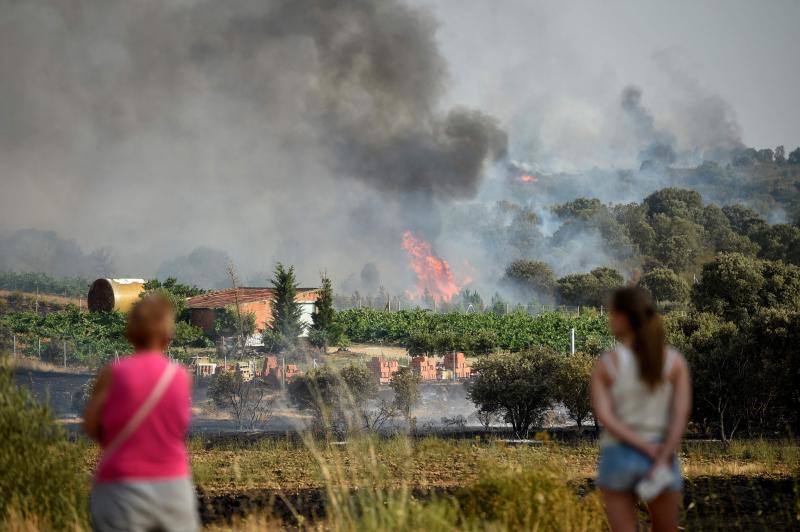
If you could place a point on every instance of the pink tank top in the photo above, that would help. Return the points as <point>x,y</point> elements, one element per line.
<point>157,449</point>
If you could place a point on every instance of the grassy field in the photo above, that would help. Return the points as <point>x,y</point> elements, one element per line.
<point>479,484</point>
<point>432,483</point>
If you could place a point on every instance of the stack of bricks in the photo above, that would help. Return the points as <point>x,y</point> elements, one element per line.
<point>383,369</point>
<point>274,372</point>
<point>270,362</point>
<point>424,367</point>
<point>458,364</point>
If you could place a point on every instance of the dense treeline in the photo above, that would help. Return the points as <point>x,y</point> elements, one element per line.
<point>740,338</point>
<point>665,240</point>
<point>31,282</point>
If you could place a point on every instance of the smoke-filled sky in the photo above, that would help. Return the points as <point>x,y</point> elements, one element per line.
<point>314,132</point>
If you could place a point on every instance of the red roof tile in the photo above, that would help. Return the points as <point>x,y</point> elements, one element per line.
<point>226,297</point>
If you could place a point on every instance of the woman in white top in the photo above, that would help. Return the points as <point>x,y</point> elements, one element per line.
<point>641,395</point>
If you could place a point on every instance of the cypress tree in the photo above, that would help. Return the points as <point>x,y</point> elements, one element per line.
<point>323,310</point>
<point>286,311</point>
<point>323,317</point>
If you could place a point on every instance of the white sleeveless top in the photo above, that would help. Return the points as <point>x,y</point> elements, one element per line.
<point>646,411</point>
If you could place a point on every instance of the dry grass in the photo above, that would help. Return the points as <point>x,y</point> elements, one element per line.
<point>374,483</point>
<point>438,463</point>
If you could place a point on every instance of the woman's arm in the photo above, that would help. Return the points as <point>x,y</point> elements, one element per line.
<point>91,416</point>
<point>604,413</point>
<point>680,408</point>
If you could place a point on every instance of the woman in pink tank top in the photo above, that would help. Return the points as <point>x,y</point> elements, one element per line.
<point>139,412</point>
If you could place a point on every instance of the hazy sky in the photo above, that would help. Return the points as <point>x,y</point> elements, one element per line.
<point>503,55</point>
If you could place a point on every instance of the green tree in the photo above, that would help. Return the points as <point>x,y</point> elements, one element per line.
<point>229,322</point>
<point>591,288</point>
<point>286,310</point>
<point>406,387</point>
<point>730,286</point>
<point>531,279</point>
<point>675,203</point>
<point>665,285</point>
<point>324,328</point>
<point>521,386</point>
<point>735,286</point>
<point>187,335</point>
<point>572,385</point>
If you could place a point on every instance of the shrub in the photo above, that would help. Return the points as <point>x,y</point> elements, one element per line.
<point>535,498</point>
<point>521,386</point>
<point>42,472</point>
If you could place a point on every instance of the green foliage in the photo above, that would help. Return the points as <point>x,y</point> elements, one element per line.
<point>324,315</point>
<point>589,289</point>
<point>187,335</point>
<point>735,286</point>
<point>176,292</point>
<point>757,355</point>
<point>228,322</point>
<point>406,387</point>
<point>325,328</point>
<point>42,472</point>
<point>572,384</point>
<point>338,401</point>
<point>531,279</point>
<point>520,386</point>
<point>286,311</point>
<point>93,336</point>
<point>422,331</point>
<point>665,285</point>
<point>31,282</point>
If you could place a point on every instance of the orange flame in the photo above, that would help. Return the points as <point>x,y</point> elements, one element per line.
<point>434,275</point>
<point>528,178</point>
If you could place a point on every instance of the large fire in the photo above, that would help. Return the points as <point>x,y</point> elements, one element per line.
<point>434,275</point>
<point>528,178</point>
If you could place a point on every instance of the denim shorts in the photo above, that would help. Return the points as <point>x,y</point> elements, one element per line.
<point>621,467</point>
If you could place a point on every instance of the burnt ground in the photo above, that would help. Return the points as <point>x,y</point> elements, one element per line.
<point>710,503</point>
<point>55,388</point>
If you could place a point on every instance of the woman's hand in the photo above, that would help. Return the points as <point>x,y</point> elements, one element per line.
<point>661,460</point>
<point>652,450</point>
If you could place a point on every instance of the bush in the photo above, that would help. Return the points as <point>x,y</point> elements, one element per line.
<point>572,385</point>
<point>42,472</point>
<point>520,386</point>
<point>535,498</point>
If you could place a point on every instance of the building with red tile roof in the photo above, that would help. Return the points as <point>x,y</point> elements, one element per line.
<point>258,301</point>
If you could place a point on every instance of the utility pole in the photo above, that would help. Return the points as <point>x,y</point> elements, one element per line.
<point>39,347</point>
<point>15,346</point>
<point>64,347</point>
